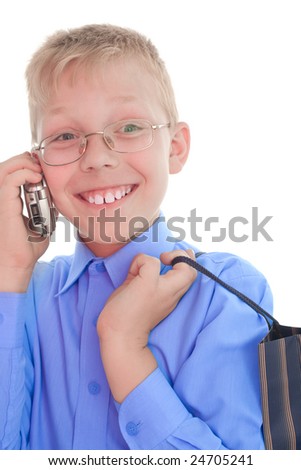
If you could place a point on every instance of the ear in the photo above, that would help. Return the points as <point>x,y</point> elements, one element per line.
<point>179,147</point>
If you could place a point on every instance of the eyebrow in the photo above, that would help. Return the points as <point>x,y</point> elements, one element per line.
<point>116,99</point>
<point>57,110</point>
<point>124,98</point>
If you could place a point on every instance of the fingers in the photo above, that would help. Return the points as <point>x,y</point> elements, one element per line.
<point>24,160</point>
<point>168,256</point>
<point>181,276</point>
<point>147,290</point>
<point>145,274</point>
<point>14,173</point>
<point>145,266</point>
<point>20,169</point>
<point>20,177</point>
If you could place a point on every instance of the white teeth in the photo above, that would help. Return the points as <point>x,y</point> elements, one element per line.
<point>98,199</point>
<point>109,197</point>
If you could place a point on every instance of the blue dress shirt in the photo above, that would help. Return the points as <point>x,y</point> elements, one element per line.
<point>205,393</point>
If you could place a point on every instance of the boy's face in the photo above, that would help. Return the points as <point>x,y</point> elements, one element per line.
<point>90,192</point>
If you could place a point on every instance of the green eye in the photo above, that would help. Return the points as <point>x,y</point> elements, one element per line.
<point>130,128</point>
<point>66,136</point>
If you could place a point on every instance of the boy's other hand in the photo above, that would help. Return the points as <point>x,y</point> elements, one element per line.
<point>144,299</point>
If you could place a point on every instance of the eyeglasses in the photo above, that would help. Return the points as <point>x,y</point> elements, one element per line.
<point>128,136</point>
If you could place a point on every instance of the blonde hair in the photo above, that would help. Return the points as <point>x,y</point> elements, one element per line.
<point>87,47</point>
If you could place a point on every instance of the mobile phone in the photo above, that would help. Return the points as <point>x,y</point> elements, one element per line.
<point>40,208</point>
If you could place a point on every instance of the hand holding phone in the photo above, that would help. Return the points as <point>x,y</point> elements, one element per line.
<point>19,248</point>
<point>41,211</point>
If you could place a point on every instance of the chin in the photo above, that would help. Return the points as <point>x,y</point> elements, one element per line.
<point>103,234</point>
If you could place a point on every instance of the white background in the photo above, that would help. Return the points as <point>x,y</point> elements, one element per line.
<point>236,71</point>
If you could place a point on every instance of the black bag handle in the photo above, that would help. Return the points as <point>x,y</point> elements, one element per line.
<point>267,316</point>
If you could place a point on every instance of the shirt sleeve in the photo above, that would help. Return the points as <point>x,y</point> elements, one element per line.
<point>213,402</point>
<point>153,417</point>
<point>12,366</point>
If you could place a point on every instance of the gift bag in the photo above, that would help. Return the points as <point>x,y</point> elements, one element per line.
<point>280,379</point>
<point>280,373</point>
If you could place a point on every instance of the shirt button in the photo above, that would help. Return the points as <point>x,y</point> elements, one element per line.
<point>94,388</point>
<point>132,429</point>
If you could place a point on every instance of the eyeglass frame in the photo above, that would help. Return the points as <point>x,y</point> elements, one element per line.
<point>153,127</point>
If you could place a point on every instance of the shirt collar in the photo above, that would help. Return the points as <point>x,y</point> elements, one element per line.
<point>154,241</point>
<point>80,260</point>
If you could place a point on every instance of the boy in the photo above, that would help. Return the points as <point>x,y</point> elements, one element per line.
<point>102,350</point>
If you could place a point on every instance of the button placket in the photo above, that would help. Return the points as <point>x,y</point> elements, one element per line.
<point>92,408</point>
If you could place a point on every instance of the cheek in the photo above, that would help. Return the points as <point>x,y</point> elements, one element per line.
<point>156,182</point>
<point>159,170</point>
<point>57,176</point>
<point>153,164</point>
<point>56,181</point>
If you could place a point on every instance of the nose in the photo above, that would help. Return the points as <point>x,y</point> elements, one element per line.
<point>97,154</point>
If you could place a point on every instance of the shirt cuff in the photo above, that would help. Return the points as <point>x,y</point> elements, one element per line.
<point>12,318</point>
<point>150,413</point>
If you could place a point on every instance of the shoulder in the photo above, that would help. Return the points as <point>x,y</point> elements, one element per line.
<point>234,270</point>
<point>239,274</point>
<point>57,264</point>
<point>227,265</point>
<point>52,275</point>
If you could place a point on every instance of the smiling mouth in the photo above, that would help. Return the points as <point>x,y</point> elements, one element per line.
<point>108,196</point>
